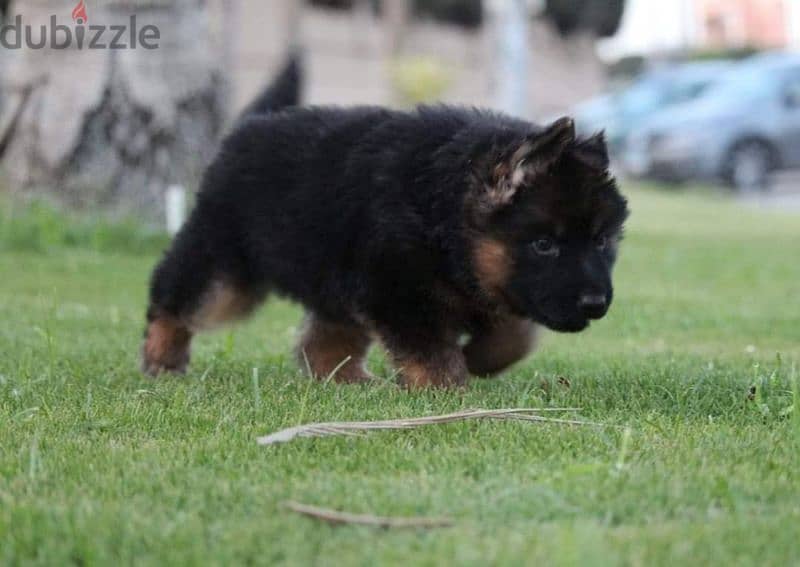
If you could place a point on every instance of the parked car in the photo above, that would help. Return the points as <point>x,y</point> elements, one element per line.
<point>739,130</point>
<point>621,112</point>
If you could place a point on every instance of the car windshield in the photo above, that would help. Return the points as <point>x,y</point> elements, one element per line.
<point>643,97</point>
<point>653,93</point>
<point>744,84</point>
<point>687,88</point>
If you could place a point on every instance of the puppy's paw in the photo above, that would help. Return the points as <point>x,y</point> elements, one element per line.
<point>154,367</point>
<point>447,371</point>
<point>166,348</point>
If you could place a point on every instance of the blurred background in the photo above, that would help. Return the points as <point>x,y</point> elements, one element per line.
<point>688,91</point>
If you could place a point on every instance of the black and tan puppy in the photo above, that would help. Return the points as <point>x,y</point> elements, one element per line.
<point>414,228</point>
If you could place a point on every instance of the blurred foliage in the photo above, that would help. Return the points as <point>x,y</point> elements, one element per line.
<point>419,79</point>
<point>634,65</point>
<point>627,67</point>
<point>602,17</point>
<point>465,13</point>
<point>38,226</point>
<point>334,4</point>
<point>734,53</point>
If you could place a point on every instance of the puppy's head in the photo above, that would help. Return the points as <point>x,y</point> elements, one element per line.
<point>545,219</point>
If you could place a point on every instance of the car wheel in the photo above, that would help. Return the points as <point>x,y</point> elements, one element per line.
<point>749,166</point>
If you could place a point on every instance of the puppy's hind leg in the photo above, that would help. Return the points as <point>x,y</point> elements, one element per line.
<point>191,291</point>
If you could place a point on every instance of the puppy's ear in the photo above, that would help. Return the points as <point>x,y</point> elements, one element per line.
<point>542,150</point>
<point>593,152</point>
<point>534,155</point>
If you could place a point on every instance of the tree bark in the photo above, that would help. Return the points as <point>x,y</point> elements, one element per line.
<point>110,127</point>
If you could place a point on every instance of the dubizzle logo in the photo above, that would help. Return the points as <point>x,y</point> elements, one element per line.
<point>80,35</point>
<point>79,15</point>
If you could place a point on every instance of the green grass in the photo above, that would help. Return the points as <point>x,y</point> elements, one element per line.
<point>99,465</point>
<point>38,226</point>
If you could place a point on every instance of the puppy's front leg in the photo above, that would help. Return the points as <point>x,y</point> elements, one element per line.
<point>437,364</point>
<point>442,369</point>
<point>501,344</point>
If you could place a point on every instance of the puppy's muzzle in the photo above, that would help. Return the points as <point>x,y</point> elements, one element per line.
<point>593,305</point>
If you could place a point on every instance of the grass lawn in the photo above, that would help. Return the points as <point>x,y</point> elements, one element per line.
<point>99,465</point>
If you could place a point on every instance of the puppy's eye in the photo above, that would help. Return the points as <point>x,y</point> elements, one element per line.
<point>545,247</point>
<point>601,242</point>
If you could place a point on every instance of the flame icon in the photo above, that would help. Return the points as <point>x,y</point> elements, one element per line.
<point>79,15</point>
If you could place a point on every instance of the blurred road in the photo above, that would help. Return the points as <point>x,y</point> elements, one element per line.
<point>784,193</point>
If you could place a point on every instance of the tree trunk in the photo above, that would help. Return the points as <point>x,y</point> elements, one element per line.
<point>114,128</point>
<point>397,14</point>
<point>508,25</point>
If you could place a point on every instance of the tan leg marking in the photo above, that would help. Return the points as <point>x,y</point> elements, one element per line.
<point>166,347</point>
<point>505,343</point>
<point>222,303</point>
<point>168,337</point>
<point>326,346</point>
<point>444,370</point>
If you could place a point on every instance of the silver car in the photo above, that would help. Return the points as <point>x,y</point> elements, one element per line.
<point>740,130</point>
<point>619,113</point>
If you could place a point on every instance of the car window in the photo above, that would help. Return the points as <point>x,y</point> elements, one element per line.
<point>663,90</point>
<point>687,90</point>
<point>642,98</point>
<point>744,84</point>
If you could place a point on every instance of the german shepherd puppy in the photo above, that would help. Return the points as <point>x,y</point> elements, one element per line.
<point>445,233</point>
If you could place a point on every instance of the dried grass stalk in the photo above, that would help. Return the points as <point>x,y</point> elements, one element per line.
<point>336,517</point>
<point>354,428</point>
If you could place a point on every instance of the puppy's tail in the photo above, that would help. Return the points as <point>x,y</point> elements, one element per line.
<point>285,90</point>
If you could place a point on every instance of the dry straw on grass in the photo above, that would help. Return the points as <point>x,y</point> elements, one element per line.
<point>355,428</point>
<point>336,517</point>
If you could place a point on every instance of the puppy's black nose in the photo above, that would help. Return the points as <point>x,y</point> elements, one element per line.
<point>593,306</point>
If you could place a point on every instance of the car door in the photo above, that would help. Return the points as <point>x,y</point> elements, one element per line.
<point>789,125</point>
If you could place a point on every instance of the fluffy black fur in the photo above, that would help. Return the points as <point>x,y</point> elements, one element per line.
<point>417,228</point>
